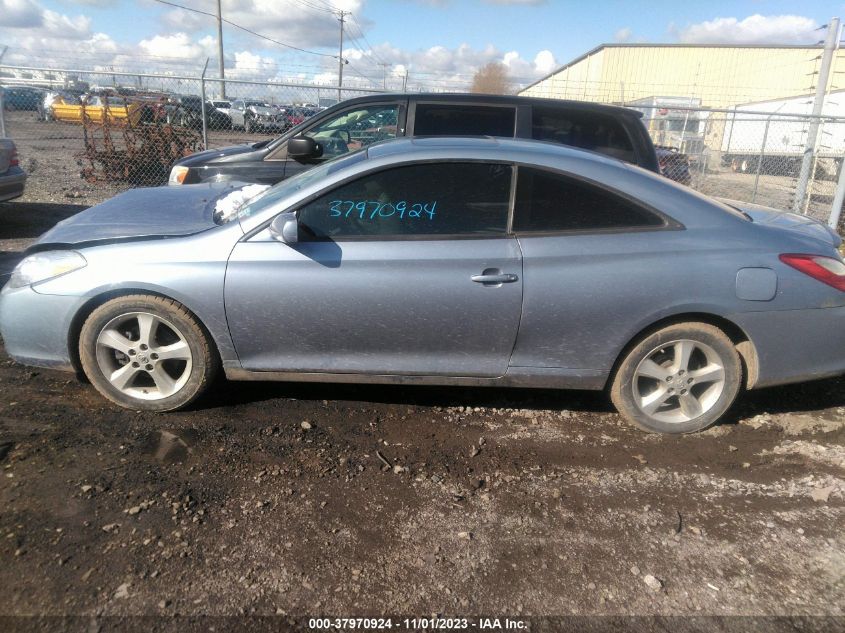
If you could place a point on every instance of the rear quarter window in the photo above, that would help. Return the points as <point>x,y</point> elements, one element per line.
<point>552,202</point>
<point>597,132</point>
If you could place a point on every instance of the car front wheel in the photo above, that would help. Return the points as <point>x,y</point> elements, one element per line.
<point>146,353</point>
<point>679,379</point>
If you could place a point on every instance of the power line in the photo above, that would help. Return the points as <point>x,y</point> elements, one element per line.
<point>316,7</point>
<point>366,41</point>
<point>250,31</point>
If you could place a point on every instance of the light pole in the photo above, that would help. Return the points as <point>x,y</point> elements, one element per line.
<point>220,50</point>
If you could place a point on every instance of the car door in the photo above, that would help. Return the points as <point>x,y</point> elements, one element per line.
<point>405,270</point>
<point>344,131</point>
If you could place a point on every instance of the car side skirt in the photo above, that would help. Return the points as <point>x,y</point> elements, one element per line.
<point>534,377</point>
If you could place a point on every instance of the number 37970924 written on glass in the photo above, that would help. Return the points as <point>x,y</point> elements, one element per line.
<point>372,209</point>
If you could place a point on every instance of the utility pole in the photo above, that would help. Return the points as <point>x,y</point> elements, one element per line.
<point>831,43</point>
<point>340,61</point>
<point>220,50</point>
<point>384,68</point>
<point>405,81</point>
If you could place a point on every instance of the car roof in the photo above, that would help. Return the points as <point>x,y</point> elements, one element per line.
<point>486,99</point>
<point>511,149</point>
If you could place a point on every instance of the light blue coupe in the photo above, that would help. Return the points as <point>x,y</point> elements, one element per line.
<point>459,261</point>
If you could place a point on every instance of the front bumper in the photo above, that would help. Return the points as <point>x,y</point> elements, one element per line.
<point>35,326</point>
<point>12,184</point>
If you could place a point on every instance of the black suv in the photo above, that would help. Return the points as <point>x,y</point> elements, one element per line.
<point>356,123</point>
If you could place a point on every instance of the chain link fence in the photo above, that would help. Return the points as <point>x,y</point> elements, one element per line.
<point>84,136</point>
<point>751,156</point>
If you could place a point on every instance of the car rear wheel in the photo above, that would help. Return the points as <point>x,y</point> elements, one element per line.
<point>146,352</point>
<point>679,379</point>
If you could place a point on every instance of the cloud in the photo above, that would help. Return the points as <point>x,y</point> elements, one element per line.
<point>755,29</point>
<point>20,14</point>
<point>623,35</point>
<point>178,45</point>
<point>297,24</point>
<point>43,37</point>
<point>92,3</point>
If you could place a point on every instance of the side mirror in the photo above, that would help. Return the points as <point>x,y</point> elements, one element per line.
<point>285,228</point>
<point>304,147</point>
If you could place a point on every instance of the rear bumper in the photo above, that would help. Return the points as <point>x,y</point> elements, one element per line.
<point>796,345</point>
<point>12,184</point>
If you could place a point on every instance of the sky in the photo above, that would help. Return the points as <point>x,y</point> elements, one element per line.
<point>439,43</point>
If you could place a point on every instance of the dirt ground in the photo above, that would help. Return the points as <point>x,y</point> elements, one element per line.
<point>310,500</point>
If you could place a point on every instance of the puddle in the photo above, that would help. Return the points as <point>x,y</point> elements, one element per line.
<point>171,446</point>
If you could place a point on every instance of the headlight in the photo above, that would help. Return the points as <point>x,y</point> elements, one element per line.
<point>44,266</point>
<point>178,175</point>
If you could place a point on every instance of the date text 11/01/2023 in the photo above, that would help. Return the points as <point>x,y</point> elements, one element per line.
<point>372,209</point>
<point>419,624</point>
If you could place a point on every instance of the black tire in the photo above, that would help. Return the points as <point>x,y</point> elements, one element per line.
<point>662,342</point>
<point>172,319</point>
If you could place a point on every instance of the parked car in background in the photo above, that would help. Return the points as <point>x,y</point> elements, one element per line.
<point>295,116</point>
<point>254,116</point>
<point>186,110</point>
<point>448,261</point>
<point>674,164</point>
<point>222,106</point>
<point>21,97</point>
<point>12,177</point>
<point>359,122</point>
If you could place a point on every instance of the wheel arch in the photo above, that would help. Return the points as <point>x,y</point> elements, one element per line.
<point>742,342</point>
<point>75,328</point>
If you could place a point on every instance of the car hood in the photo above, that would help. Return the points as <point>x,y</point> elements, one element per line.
<point>793,222</point>
<point>232,153</point>
<point>142,213</point>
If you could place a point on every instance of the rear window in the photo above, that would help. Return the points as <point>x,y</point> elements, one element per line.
<point>433,119</point>
<point>588,130</point>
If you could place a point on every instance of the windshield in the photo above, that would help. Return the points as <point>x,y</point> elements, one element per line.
<point>285,188</point>
<point>260,104</point>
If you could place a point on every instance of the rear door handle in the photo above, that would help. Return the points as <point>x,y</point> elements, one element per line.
<point>494,278</point>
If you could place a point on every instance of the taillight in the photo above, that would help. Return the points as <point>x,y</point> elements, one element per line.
<point>828,270</point>
<point>13,161</point>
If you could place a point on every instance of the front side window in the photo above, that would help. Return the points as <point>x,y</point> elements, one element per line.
<point>434,119</point>
<point>597,132</point>
<point>547,202</point>
<point>355,128</point>
<point>428,199</point>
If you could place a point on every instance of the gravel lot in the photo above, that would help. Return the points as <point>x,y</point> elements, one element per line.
<point>307,500</point>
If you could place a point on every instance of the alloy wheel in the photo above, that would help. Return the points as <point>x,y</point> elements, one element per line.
<point>144,356</point>
<point>679,381</point>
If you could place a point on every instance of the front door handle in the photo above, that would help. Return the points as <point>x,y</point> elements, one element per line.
<point>494,277</point>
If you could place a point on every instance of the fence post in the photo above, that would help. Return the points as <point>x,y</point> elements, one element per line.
<point>202,96</point>
<point>760,159</point>
<point>838,197</point>
<point>830,45</point>
<point>2,106</point>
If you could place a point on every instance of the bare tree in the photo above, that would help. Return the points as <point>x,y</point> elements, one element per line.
<point>491,79</point>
